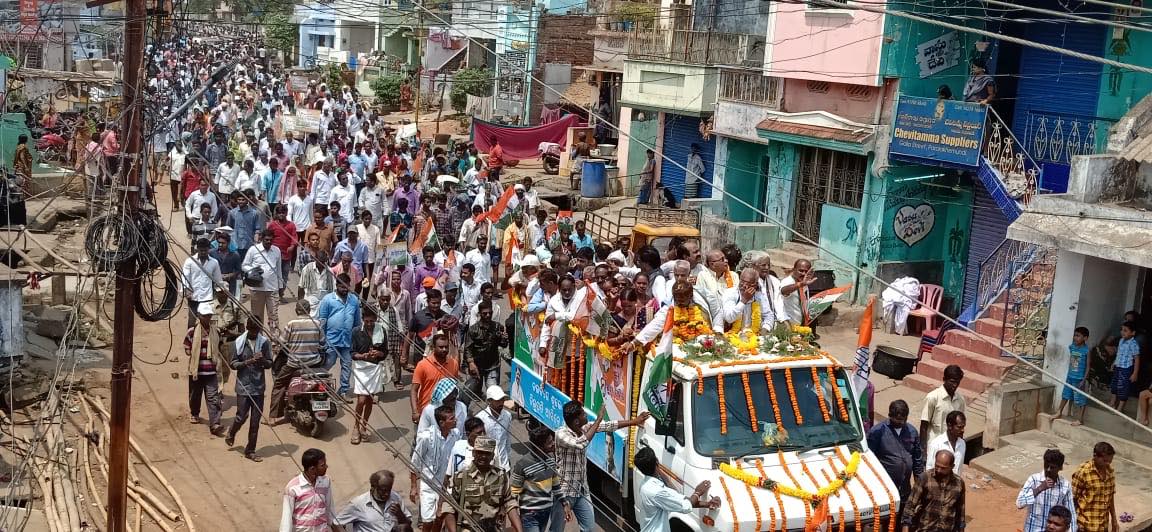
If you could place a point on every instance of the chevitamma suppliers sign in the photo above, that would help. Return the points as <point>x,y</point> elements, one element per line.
<point>945,132</point>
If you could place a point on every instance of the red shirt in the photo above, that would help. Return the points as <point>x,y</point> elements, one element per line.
<point>496,157</point>
<point>191,181</point>
<point>284,237</point>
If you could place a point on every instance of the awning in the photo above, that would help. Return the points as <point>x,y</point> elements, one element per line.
<point>1105,238</point>
<point>1139,150</point>
<point>818,129</point>
<point>598,67</point>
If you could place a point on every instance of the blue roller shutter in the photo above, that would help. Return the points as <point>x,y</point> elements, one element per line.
<point>1056,91</point>
<point>680,132</point>
<point>989,227</point>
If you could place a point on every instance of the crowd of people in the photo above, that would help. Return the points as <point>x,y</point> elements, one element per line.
<point>398,254</point>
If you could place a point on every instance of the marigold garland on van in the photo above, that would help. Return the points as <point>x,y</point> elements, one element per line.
<point>792,396</point>
<point>751,406</point>
<point>851,500</point>
<point>772,519</point>
<point>788,472</point>
<point>772,396</point>
<point>820,395</point>
<point>871,497</point>
<point>888,495</point>
<point>755,506</point>
<point>723,404</point>
<point>731,507</point>
<point>699,373</point>
<point>779,499</point>
<point>813,498</point>
<point>828,478</point>
<point>839,399</point>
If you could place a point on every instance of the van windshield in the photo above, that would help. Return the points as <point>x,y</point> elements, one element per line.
<point>771,434</point>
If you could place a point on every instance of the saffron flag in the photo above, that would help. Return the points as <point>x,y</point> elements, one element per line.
<point>391,238</point>
<point>862,366</point>
<point>822,301</point>
<point>507,202</point>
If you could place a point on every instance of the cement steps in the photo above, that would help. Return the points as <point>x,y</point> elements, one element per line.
<point>1130,440</point>
<point>933,369</point>
<point>972,363</point>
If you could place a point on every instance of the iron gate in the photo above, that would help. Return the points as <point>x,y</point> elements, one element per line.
<point>826,176</point>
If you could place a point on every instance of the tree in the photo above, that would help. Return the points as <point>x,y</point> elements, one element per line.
<point>386,88</point>
<point>469,82</point>
<point>280,32</point>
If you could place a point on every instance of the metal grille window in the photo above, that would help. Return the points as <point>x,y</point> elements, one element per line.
<point>30,55</point>
<point>827,176</point>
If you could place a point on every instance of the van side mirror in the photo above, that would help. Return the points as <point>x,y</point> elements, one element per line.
<point>667,426</point>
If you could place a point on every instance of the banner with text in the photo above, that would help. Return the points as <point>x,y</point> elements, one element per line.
<point>945,132</point>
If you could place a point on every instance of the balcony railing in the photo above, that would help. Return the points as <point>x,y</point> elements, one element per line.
<point>1018,170</point>
<point>749,86</point>
<point>689,46</point>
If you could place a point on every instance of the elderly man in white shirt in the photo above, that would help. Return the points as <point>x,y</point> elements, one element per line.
<point>745,304</point>
<point>226,175</point>
<point>344,193</point>
<point>769,284</point>
<point>199,197</point>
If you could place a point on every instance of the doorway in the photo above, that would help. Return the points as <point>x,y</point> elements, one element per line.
<point>826,176</point>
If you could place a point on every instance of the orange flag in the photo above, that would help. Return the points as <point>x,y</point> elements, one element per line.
<point>497,210</point>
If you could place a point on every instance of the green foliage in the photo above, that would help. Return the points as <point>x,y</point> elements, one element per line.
<point>386,88</point>
<point>469,82</point>
<point>332,76</point>
<point>639,13</point>
<point>280,32</point>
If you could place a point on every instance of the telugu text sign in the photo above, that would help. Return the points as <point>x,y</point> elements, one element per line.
<point>943,131</point>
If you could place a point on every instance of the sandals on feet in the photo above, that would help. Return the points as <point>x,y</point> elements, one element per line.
<point>253,457</point>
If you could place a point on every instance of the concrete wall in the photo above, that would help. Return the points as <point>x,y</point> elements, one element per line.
<point>12,327</point>
<point>738,120</point>
<point>856,103</point>
<point>684,89</point>
<point>1014,407</point>
<point>731,16</point>
<point>903,36</point>
<point>563,42</point>
<point>827,45</point>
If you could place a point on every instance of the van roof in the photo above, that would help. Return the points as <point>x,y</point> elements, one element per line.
<point>688,369</point>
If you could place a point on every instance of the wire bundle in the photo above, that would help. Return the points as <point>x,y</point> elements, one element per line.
<point>111,240</point>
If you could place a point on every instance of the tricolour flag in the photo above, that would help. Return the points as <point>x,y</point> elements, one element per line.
<point>426,237</point>
<point>656,394</point>
<point>822,301</point>
<point>503,206</point>
<point>862,366</point>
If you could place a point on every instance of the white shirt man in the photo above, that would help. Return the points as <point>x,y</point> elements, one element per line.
<point>344,194</point>
<point>176,161</point>
<point>246,181</point>
<point>740,315</point>
<point>430,453</point>
<point>771,289</point>
<point>226,175</point>
<point>322,183</point>
<point>267,258</point>
<point>300,212</point>
<point>792,301</point>
<point>497,425</point>
<point>482,261</point>
<point>197,198</point>
<point>450,260</point>
<point>941,443</point>
<point>201,277</point>
<point>374,200</point>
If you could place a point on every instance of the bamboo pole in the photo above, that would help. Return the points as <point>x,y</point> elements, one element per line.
<point>70,492</point>
<point>148,509</point>
<point>186,516</point>
<point>139,517</point>
<point>93,492</point>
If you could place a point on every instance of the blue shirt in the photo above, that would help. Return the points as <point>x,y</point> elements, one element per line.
<point>245,222</point>
<point>585,242</point>
<point>271,185</point>
<point>1127,352</point>
<point>1077,363</point>
<point>900,454</point>
<point>357,163</point>
<point>339,318</point>
<point>359,253</point>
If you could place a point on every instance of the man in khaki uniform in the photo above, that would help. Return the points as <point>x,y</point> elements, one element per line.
<point>482,490</point>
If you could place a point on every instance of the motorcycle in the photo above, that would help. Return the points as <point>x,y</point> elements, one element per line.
<point>52,147</point>
<point>308,403</point>
<point>550,157</point>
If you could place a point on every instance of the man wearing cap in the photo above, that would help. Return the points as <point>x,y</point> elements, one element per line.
<point>201,276</point>
<point>452,304</point>
<point>497,423</point>
<point>482,490</point>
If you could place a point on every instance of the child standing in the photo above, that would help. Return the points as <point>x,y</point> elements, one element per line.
<point>1077,377</point>
<point>1127,365</point>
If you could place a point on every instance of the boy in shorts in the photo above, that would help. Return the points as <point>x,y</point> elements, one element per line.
<point>1077,376</point>
<point>1126,367</point>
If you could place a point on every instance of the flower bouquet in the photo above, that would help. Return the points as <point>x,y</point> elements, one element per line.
<point>708,348</point>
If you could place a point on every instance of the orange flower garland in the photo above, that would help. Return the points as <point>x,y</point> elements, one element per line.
<point>580,371</point>
<point>828,478</point>
<point>731,507</point>
<point>772,395</point>
<point>755,506</point>
<point>755,361</point>
<point>888,494</point>
<point>839,400</point>
<point>851,500</point>
<point>807,507</point>
<point>808,473</point>
<point>687,328</point>
<point>699,373</point>
<point>771,520</point>
<point>779,499</point>
<point>751,407</point>
<point>819,395</point>
<point>871,497</point>
<point>792,397</point>
<point>723,404</point>
<point>635,404</point>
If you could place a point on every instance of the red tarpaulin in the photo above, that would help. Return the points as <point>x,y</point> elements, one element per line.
<point>522,142</point>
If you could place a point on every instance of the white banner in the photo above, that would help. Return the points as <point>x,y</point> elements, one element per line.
<point>939,54</point>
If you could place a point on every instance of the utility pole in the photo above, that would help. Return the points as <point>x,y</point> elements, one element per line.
<point>126,283</point>
<point>419,61</point>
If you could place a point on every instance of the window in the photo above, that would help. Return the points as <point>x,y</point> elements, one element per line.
<point>819,87</point>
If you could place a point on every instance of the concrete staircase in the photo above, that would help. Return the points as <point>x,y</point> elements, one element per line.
<point>977,353</point>
<point>786,255</point>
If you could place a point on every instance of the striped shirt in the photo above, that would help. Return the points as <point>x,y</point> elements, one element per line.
<point>572,457</point>
<point>1126,352</point>
<point>1040,505</point>
<point>535,483</point>
<point>303,340</point>
<point>206,366</point>
<point>307,506</point>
